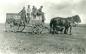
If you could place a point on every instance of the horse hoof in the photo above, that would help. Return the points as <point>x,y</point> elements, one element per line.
<point>56,33</point>
<point>70,34</point>
<point>65,33</point>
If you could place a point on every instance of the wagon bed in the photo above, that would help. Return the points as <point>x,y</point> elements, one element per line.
<point>35,25</point>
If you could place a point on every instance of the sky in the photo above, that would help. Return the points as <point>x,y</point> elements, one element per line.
<point>52,8</point>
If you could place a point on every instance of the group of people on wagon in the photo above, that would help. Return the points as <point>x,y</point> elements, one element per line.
<point>27,14</point>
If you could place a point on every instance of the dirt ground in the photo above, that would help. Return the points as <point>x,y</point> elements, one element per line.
<point>26,43</point>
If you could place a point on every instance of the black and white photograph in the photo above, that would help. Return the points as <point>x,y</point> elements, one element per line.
<point>42,26</point>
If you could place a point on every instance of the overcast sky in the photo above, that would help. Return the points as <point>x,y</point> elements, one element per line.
<point>52,8</point>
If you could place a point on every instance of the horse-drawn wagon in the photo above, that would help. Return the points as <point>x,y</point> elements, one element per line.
<point>15,24</point>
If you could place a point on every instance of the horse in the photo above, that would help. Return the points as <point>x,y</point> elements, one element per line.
<point>63,24</point>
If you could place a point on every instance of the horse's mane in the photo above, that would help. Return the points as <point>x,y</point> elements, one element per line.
<point>75,18</point>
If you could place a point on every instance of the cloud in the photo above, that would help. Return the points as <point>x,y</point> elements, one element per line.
<point>52,8</point>
<point>67,9</point>
<point>62,9</point>
<point>81,7</point>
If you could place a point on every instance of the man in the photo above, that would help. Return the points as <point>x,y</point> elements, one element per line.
<point>40,12</point>
<point>22,14</point>
<point>28,13</point>
<point>34,12</point>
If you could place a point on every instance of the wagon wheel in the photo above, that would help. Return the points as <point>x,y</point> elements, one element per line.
<point>45,29</point>
<point>8,27</point>
<point>21,27</point>
<point>37,29</point>
<point>9,24</point>
<point>18,27</point>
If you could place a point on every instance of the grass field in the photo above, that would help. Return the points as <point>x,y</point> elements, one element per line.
<point>26,43</point>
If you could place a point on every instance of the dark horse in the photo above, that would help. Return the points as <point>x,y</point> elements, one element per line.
<point>60,24</point>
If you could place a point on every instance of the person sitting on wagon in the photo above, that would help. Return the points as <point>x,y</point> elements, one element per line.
<point>40,12</point>
<point>28,13</point>
<point>22,14</point>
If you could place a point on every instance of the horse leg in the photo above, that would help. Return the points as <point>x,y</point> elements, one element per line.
<point>56,30</point>
<point>65,31</point>
<point>18,27</point>
<point>51,28</point>
<point>62,30</point>
<point>70,30</point>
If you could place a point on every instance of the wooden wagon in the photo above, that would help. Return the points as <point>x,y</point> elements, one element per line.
<point>15,24</point>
